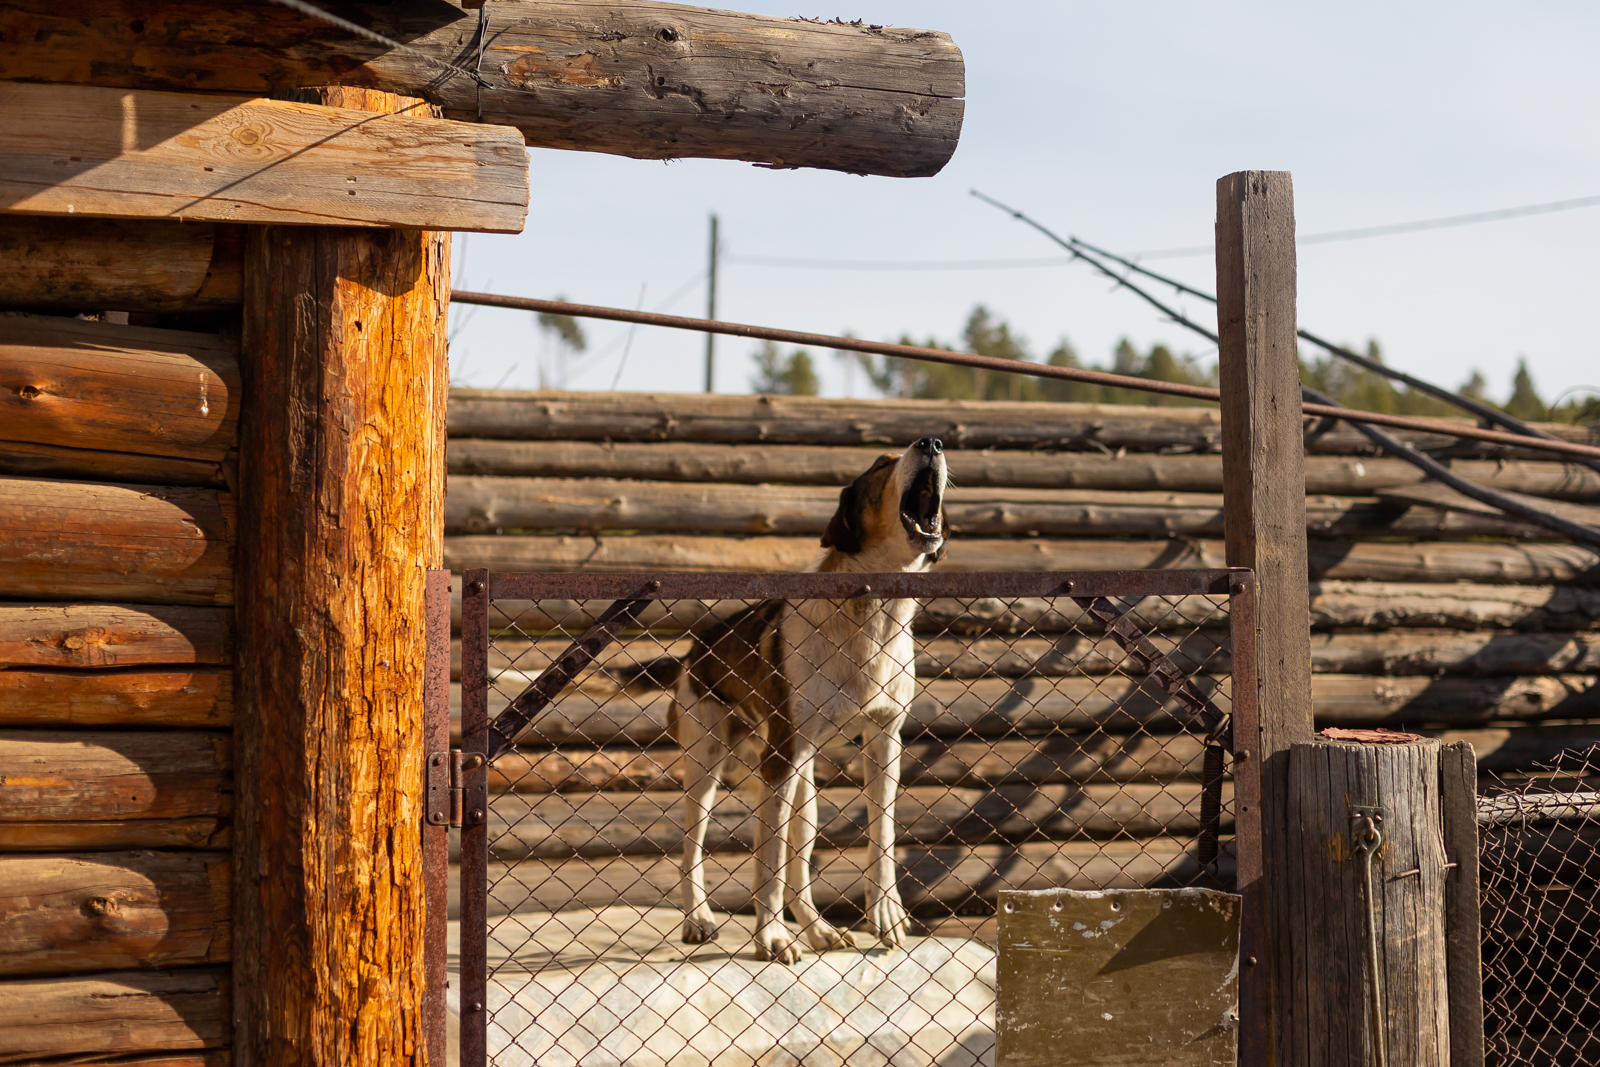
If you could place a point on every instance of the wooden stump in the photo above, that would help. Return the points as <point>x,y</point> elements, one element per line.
<point>1331,1014</point>
<point>341,487</point>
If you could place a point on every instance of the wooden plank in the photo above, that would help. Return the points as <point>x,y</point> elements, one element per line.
<point>932,881</point>
<point>650,80</point>
<point>758,463</point>
<point>91,1016</point>
<point>479,505</point>
<point>133,154</point>
<point>109,910</point>
<point>961,424</point>
<point>1127,977</point>
<point>27,460</point>
<point>198,697</point>
<point>98,385</point>
<point>1332,998</point>
<point>117,265</point>
<point>1433,494</point>
<point>1264,490</point>
<point>1458,794</point>
<point>74,791</point>
<point>94,540</point>
<point>113,635</point>
<point>598,825</point>
<point>1420,561</point>
<point>346,380</point>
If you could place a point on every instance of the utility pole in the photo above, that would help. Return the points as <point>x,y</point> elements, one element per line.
<point>711,308</point>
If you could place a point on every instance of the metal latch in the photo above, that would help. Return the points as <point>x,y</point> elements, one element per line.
<point>447,783</point>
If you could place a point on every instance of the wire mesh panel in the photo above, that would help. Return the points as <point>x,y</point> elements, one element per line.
<point>1539,873</point>
<point>765,818</point>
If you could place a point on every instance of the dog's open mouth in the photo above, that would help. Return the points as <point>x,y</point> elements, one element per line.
<point>919,505</point>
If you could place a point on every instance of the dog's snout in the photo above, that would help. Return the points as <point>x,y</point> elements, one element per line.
<point>930,446</point>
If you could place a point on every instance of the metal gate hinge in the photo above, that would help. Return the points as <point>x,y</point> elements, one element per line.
<point>446,785</point>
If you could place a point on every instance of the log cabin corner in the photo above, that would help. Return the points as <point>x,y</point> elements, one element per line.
<point>224,277</point>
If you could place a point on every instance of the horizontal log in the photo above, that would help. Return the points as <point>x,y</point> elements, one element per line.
<point>95,540</point>
<point>113,635</point>
<point>74,791</point>
<point>117,265</point>
<point>45,1019</point>
<point>27,460</point>
<point>1424,652</point>
<point>755,464</point>
<point>134,154</point>
<point>987,763</point>
<point>931,880</point>
<point>649,80</point>
<point>697,417</point>
<point>1057,759</point>
<point>1384,605</point>
<point>599,825</point>
<point>1538,808</point>
<point>1423,561</point>
<point>111,910</point>
<point>1437,495</point>
<point>478,505</point>
<point>200,697</point>
<point>98,385</point>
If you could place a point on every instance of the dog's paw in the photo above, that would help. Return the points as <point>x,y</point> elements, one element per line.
<point>825,937</point>
<point>775,944</point>
<point>887,918</point>
<point>699,927</point>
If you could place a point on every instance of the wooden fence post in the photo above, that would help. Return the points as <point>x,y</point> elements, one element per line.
<point>1263,456</point>
<point>1388,796</point>
<point>341,487</point>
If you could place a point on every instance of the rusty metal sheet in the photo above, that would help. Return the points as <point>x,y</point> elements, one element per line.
<point>1118,978</point>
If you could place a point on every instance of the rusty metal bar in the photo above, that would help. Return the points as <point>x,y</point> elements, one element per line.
<point>1255,1023</point>
<point>475,831</point>
<point>436,839</point>
<point>802,586</point>
<point>578,655</point>
<point>1003,366</point>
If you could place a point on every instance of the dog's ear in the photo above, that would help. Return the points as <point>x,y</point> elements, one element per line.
<point>844,529</point>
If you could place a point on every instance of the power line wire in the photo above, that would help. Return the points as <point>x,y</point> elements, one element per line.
<point>898,264</point>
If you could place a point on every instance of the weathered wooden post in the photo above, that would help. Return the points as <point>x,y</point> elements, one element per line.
<point>341,489</point>
<point>1264,505</point>
<point>1369,958</point>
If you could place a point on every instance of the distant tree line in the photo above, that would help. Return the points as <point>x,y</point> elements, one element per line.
<point>795,374</point>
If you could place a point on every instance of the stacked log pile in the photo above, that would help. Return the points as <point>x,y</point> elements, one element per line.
<point>1032,756</point>
<point>116,686</point>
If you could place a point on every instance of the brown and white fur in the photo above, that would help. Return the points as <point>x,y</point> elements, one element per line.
<point>797,676</point>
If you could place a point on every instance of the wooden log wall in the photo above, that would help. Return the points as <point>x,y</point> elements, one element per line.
<point>117,544</point>
<point>1467,627</point>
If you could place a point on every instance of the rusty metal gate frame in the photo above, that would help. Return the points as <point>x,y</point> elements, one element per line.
<point>456,783</point>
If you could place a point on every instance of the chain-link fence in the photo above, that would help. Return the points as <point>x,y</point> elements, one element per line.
<point>1539,887</point>
<point>738,819</point>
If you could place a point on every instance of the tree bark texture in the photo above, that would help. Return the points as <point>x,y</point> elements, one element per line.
<point>103,911</point>
<point>98,385</point>
<point>975,469</point>
<point>1329,1018</point>
<point>649,80</point>
<point>100,541</point>
<point>110,265</point>
<point>48,1019</point>
<point>342,476</point>
<point>64,791</point>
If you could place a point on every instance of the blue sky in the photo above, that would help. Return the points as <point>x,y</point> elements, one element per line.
<point>1113,122</point>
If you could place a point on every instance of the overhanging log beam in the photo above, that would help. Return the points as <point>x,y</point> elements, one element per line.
<point>643,79</point>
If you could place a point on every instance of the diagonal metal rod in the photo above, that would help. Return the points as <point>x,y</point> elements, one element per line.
<point>1491,415</point>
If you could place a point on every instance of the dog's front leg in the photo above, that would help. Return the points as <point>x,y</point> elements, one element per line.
<point>886,915</point>
<point>820,934</point>
<point>773,939</point>
<point>702,734</point>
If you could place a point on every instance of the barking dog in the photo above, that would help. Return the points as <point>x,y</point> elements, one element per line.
<point>798,676</point>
